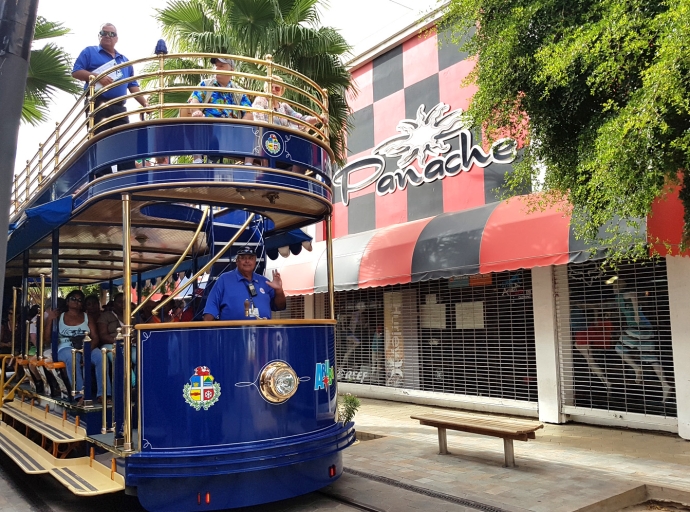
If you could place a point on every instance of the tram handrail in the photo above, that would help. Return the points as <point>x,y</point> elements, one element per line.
<point>177,263</point>
<point>77,128</point>
<point>233,323</point>
<point>208,265</point>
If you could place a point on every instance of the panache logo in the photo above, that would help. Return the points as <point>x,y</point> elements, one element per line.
<point>324,375</point>
<point>426,140</point>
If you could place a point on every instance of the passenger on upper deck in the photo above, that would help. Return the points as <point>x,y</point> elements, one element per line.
<point>242,290</point>
<point>280,107</point>
<point>219,97</point>
<point>94,60</point>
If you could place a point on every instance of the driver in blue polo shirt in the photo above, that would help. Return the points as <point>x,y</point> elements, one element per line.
<point>93,60</point>
<point>241,293</point>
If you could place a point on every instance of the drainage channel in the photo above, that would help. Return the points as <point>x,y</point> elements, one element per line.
<point>413,488</point>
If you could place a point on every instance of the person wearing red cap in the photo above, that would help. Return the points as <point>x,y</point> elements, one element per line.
<point>242,293</point>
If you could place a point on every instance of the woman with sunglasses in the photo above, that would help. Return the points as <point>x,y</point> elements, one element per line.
<point>73,325</point>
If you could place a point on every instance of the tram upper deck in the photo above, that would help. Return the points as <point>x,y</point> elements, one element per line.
<point>70,184</point>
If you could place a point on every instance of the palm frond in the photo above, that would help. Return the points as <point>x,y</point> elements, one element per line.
<point>34,111</point>
<point>48,29</point>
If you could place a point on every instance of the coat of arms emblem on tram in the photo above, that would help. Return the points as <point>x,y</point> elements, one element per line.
<point>201,392</point>
<point>273,143</point>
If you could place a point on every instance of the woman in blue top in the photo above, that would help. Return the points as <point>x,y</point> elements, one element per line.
<point>73,325</point>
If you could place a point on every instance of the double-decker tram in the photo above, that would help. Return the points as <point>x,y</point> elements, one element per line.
<point>203,415</point>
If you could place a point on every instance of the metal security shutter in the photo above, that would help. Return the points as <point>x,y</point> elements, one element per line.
<point>613,356</point>
<point>294,309</point>
<point>466,336</point>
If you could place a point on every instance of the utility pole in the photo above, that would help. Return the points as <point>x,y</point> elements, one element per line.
<point>17,24</point>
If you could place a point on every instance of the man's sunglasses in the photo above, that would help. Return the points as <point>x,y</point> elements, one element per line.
<point>107,33</point>
<point>75,299</point>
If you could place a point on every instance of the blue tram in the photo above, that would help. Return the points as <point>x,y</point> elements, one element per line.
<point>204,415</point>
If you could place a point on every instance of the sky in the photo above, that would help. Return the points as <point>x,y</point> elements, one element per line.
<point>363,23</point>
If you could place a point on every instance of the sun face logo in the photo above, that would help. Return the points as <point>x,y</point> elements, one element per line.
<point>423,137</point>
<point>273,144</point>
<point>324,375</point>
<point>201,392</point>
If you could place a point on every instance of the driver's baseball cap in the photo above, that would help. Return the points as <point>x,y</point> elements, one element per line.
<point>214,60</point>
<point>246,250</point>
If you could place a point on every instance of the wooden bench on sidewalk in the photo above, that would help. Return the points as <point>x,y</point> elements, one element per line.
<point>508,429</point>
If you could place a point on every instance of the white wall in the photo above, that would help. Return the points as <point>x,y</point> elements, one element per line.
<point>546,344</point>
<point>679,300</point>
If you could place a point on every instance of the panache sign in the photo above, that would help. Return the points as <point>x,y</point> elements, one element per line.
<point>426,140</point>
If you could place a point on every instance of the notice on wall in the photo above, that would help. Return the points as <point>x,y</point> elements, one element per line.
<point>433,316</point>
<point>469,315</point>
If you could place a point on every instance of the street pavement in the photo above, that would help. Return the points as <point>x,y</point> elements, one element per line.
<point>567,468</point>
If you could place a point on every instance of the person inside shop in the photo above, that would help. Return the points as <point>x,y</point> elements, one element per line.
<point>596,335</point>
<point>73,325</point>
<point>94,60</point>
<point>356,331</point>
<point>637,337</point>
<point>242,293</point>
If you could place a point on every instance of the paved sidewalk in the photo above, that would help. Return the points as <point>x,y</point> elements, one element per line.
<point>567,468</point>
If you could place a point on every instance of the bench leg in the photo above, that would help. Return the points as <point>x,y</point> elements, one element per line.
<point>442,441</point>
<point>509,453</point>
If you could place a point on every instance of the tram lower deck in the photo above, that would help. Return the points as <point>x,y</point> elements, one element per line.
<point>210,414</point>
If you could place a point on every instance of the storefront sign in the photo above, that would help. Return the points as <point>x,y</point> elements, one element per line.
<point>426,140</point>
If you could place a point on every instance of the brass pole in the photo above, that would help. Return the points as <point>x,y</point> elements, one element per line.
<point>207,266</point>
<point>104,398</point>
<point>28,181</point>
<point>127,315</point>
<point>14,317</point>
<point>57,146</point>
<point>26,341</point>
<point>177,264</point>
<point>74,371</point>
<point>161,95</point>
<point>329,261</point>
<point>325,114</point>
<point>92,91</point>
<point>39,354</point>
<point>269,74</point>
<point>40,164</point>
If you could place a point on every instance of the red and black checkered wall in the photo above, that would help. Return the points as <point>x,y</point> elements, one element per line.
<point>391,88</point>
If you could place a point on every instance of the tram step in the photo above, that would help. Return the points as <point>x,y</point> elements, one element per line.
<point>47,425</point>
<point>82,476</point>
<point>87,478</point>
<point>29,456</point>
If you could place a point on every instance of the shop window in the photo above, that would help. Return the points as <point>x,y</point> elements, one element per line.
<point>615,338</point>
<point>469,336</point>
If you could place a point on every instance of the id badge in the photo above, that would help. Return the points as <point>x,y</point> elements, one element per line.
<point>254,312</point>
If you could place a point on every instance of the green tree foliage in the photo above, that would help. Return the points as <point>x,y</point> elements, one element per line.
<point>289,30</point>
<point>50,70</point>
<point>603,89</point>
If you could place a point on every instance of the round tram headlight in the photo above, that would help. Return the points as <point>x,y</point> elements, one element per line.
<point>278,382</point>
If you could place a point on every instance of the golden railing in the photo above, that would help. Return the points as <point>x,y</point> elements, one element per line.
<point>167,86</point>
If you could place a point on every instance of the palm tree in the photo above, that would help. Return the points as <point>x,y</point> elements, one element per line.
<point>49,71</point>
<point>287,29</point>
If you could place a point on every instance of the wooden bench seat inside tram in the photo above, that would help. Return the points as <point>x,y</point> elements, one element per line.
<point>506,428</point>
<point>62,434</point>
<point>82,476</point>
